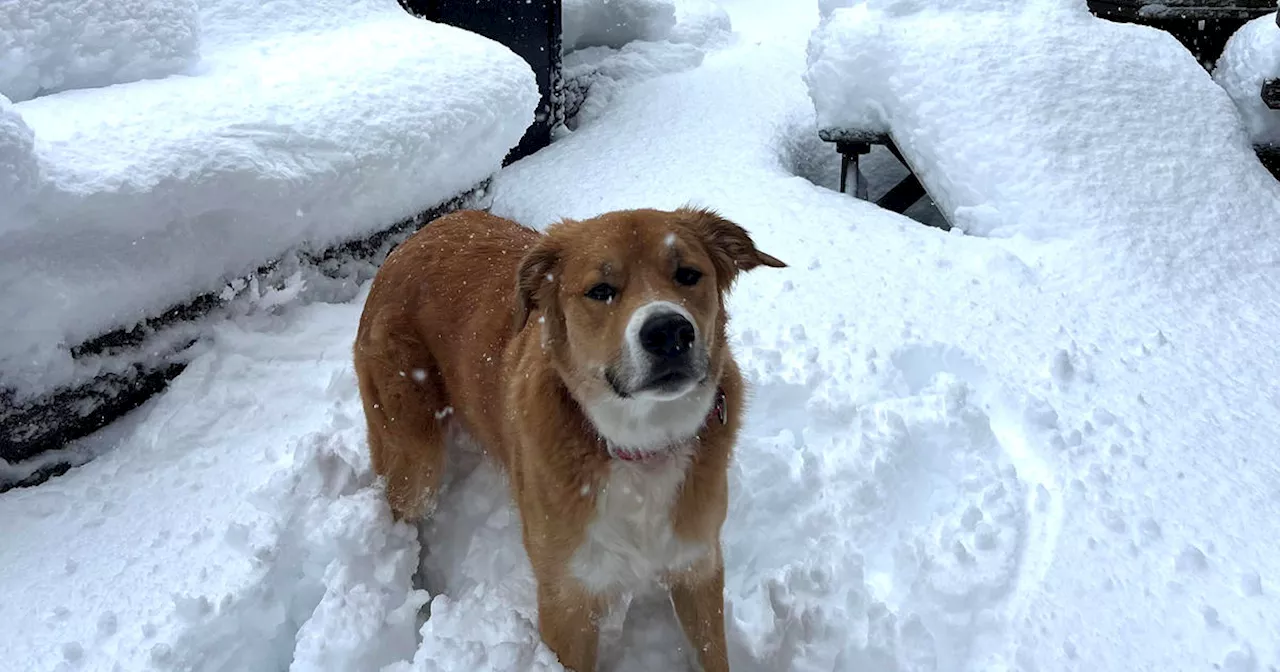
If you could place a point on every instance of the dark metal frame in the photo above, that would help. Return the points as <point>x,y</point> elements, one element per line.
<point>1271,93</point>
<point>531,29</point>
<point>852,146</point>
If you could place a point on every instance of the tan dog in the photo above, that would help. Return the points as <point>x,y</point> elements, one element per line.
<point>591,363</point>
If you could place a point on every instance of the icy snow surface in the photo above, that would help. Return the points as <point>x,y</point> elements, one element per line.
<point>305,123</point>
<point>1251,57</point>
<point>961,453</point>
<point>48,46</point>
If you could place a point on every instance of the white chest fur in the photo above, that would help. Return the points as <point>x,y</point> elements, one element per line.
<point>630,541</point>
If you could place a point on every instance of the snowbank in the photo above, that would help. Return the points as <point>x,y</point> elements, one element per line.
<point>617,23</point>
<point>1075,100</point>
<point>301,126</point>
<point>1251,57</point>
<point>593,75</point>
<point>19,170</point>
<point>48,46</point>
<point>613,23</point>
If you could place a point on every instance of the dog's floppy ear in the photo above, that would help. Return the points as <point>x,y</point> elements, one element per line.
<point>534,279</point>
<point>731,248</point>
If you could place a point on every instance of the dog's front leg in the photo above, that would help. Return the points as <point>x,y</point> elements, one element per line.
<point>569,622</point>
<point>699,601</point>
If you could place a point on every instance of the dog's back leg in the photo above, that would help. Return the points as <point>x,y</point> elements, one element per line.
<point>405,406</point>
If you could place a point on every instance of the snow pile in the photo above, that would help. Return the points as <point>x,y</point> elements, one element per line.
<point>48,46</point>
<point>613,23</point>
<point>260,546</point>
<point>1074,99</point>
<point>1251,57</point>
<point>243,23</point>
<point>616,23</point>
<point>593,75</point>
<point>19,171</point>
<point>307,130</point>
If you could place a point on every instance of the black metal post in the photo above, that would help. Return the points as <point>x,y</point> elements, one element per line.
<point>530,28</point>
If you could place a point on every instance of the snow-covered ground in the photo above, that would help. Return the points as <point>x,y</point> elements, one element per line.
<point>1036,452</point>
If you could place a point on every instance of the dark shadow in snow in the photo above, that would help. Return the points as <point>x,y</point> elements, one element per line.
<point>815,160</point>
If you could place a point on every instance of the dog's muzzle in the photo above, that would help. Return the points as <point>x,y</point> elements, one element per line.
<point>665,353</point>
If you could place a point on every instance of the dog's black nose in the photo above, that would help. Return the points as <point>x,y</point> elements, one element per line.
<point>668,335</point>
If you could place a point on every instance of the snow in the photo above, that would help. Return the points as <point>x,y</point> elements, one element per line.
<point>1046,452</point>
<point>48,46</point>
<point>19,170</point>
<point>594,74</point>
<point>613,23</point>
<point>1060,86</point>
<point>1251,57</point>
<point>616,23</point>
<point>325,122</point>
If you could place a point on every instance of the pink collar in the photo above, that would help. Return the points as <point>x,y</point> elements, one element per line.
<point>719,412</point>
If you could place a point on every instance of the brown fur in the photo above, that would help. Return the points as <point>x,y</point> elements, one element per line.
<point>478,320</point>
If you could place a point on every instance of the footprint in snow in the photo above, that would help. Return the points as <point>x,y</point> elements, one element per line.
<point>917,523</point>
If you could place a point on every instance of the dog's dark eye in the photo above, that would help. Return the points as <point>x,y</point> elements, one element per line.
<point>688,276</point>
<point>602,292</point>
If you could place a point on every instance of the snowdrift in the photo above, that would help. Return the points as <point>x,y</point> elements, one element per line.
<point>1251,57</point>
<point>1084,110</point>
<point>303,124</point>
<point>56,45</point>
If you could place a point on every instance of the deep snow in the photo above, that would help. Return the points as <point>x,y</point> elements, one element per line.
<point>1090,104</point>
<point>304,124</point>
<point>48,46</point>
<point>1251,57</point>
<point>961,453</point>
<point>591,23</point>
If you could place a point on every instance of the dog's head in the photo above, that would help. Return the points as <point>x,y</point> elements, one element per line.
<point>631,311</point>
